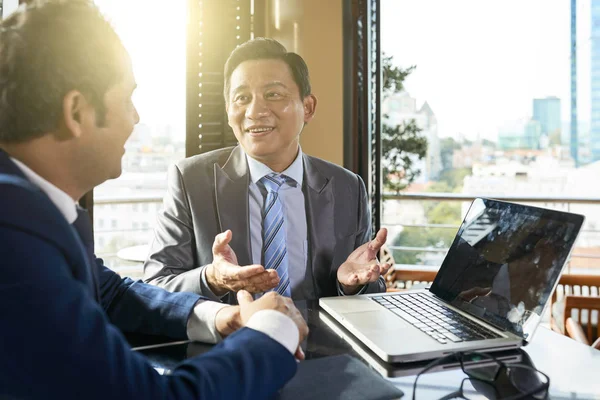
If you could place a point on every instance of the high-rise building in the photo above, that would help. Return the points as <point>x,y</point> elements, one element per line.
<point>523,134</point>
<point>547,112</point>
<point>595,81</point>
<point>400,108</point>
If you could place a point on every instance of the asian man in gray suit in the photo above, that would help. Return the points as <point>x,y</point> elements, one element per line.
<point>295,223</point>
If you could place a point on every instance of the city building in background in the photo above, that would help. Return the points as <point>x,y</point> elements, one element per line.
<point>546,111</point>
<point>595,80</point>
<point>125,208</point>
<point>401,107</point>
<point>525,133</point>
<point>499,127</point>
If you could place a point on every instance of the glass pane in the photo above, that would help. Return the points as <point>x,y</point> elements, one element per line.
<point>125,208</point>
<point>484,104</point>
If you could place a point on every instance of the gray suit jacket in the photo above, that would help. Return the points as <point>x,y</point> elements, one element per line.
<point>208,194</point>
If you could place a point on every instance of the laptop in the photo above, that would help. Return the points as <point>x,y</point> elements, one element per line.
<point>489,294</point>
<point>395,370</point>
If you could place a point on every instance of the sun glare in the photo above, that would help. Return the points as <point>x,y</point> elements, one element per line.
<point>154,32</point>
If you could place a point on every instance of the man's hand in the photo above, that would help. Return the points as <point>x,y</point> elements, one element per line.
<point>228,320</point>
<point>224,274</point>
<point>361,266</point>
<point>273,301</point>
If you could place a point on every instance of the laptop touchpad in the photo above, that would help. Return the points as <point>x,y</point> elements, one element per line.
<point>350,304</point>
<point>375,320</point>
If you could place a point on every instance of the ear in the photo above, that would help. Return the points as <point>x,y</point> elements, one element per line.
<point>310,107</point>
<point>75,112</point>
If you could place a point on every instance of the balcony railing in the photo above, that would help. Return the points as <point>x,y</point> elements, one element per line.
<point>123,247</point>
<point>564,203</point>
<point>468,197</point>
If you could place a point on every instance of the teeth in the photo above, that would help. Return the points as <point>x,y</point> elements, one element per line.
<point>259,130</point>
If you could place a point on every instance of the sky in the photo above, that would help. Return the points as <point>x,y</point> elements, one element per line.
<point>156,41</point>
<point>479,64</point>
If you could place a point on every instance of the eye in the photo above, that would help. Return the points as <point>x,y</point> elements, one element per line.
<point>241,98</point>
<point>273,95</point>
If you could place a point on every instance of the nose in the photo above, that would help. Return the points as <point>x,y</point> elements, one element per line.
<point>257,108</point>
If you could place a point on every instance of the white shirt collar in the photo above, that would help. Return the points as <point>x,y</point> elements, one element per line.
<point>64,202</point>
<point>295,171</point>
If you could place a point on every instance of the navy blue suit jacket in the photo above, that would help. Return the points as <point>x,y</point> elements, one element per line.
<point>59,339</point>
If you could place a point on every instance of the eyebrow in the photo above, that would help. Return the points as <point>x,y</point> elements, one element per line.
<point>267,86</point>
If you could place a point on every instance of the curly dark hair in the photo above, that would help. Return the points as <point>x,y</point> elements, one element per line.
<point>48,48</point>
<point>267,49</point>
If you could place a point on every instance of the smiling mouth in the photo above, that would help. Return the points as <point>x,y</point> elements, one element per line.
<point>257,132</point>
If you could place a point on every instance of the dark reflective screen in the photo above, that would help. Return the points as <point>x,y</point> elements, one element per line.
<point>505,260</point>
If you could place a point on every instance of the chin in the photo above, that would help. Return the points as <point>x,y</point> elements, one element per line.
<point>261,150</point>
<point>115,174</point>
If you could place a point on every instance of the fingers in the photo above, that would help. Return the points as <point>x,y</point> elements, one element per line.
<point>221,240</point>
<point>385,268</point>
<point>379,240</point>
<point>262,280</point>
<point>371,273</point>
<point>299,354</point>
<point>261,283</point>
<point>244,298</point>
<point>246,272</point>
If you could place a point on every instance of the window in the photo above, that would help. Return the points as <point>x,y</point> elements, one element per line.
<point>154,33</point>
<point>486,111</point>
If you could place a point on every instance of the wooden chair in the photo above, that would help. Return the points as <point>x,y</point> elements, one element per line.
<point>575,327</point>
<point>397,280</point>
<point>581,293</point>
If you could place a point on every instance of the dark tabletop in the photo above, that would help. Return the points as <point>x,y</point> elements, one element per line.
<point>574,369</point>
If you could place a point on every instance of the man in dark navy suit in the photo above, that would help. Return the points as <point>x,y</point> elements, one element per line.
<point>65,114</point>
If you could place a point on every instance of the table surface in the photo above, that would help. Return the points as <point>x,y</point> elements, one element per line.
<point>574,369</point>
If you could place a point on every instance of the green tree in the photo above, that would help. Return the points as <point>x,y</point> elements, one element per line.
<point>437,213</point>
<point>402,144</point>
<point>454,178</point>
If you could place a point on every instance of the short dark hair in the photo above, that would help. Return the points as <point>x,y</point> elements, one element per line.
<point>267,49</point>
<point>48,48</point>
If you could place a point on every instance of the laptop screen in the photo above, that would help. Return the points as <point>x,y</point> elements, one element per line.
<point>505,261</point>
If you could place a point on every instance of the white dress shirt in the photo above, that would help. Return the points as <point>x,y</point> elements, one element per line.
<point>294,212</point>
<point>201,324</point>
<point>293,201</point>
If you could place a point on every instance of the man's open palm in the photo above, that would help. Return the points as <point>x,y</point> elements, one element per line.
<point>361,266</point>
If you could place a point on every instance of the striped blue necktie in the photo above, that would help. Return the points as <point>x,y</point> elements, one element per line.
<point>273,233</point>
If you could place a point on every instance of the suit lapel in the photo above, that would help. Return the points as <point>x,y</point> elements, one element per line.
<point>231,193</point>
<point>319,217</point>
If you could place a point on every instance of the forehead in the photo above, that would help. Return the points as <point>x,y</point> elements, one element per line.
<point>258,73</point>
<point>126,82</point>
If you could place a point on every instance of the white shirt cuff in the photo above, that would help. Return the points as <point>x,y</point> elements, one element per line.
<point>278,326</point>
<point>201,324</point>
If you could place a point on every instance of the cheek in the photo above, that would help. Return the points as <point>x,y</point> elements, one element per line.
<point>235,118</point>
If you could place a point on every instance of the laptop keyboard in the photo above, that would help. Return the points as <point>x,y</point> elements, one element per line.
<point>439,322</point>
